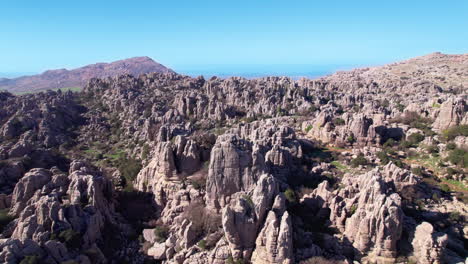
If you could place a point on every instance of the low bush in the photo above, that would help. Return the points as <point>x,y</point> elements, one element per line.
<point>5,219</point>
<point>445,188</point>
<point>31,259</point>
<point>451,146</point>
<point>198,183</point>
<point>414,120</point>
<point>389,143</point>
<point>204,221</point>
<point>383,157</point>
<point>351,139</point>
<point>338,121</point>
<point>290,195</point>
<point>202,244</point>
<point>455,216</point>
<point>353,209</point>
<point>129,168</point>
<point>453,132</point>
<point>417,170</point>
<point>360,160</point>
<point>161,233</point>
<point>458,157</point>
<point>71,238</point>
<point>415,138</point>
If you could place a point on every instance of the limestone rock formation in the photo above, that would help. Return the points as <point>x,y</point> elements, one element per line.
<point>428,245</point>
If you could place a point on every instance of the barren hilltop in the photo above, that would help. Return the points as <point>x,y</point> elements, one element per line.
<point>364,166</point>
<point>77,78</point>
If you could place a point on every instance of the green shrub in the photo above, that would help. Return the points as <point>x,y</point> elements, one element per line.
<point>413,119</point>
<point>5,219</point>
<point>353,209</point>
<point>145,152</point>
<point>385,103</point>
<point>290,195</point>
<point>458,157</point>
<point>452,171</point>
<point>231,260</point>
<point>198,184</point>
<point>202,244</point>
<point>433,149</point>
<point>313,108</point>
<point>249,201</point>
<point>308,128</point>
<point>451,146</point>
<point>71,238</point>
<point>338,121</point>
<point>32,259</point>
<point>445,188</point>
<point>129,168</point>
<point>360,160</point>
<point>453,132</point>
<point>161,233</point>
<point>398,163</point>
<point>415,138</point>
<point>351,139</point>
<point>400,107</point>
<point>384,158</point>
<point>455,216</point>
<point>389,143</point>
<point>417,170</point>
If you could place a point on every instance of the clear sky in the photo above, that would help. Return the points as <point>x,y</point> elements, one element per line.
<point>40,35</point>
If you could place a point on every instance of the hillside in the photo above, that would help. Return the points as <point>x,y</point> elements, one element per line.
<point>77,78</point>
<point>358,167</point>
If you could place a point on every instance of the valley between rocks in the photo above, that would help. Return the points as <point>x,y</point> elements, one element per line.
<point>367,166</point>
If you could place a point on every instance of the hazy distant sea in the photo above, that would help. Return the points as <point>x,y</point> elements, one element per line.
<point>256,71</point>
<point>246,71</point>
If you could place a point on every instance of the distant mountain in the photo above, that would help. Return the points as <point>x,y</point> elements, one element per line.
<point>63,78</point>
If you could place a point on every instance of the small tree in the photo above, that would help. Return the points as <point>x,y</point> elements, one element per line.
<point>360,160</point>
<point>290,195</point>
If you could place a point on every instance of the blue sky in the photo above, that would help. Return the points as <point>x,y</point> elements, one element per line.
<point>40,35</point>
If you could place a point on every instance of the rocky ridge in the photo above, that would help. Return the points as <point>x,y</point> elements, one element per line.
<point>359,166</point>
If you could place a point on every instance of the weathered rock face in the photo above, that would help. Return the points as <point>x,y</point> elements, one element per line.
<point>49,203</point>
<point>242,220</point>
<point>274,243</point>
<point>218,155</point>
<point>27,186</point>
<point>452,113</point>
<point>428,245</point>
<point>367,211</point>
<point>240,156</point>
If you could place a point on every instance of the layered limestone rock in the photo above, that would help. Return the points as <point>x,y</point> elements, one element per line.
<point>367,211</point>
<point>428,244</point>
<point>243,218</point>
<point>242,155</point>
<point>452,113</point>
<point>48,203</point>
<point>274,243</point>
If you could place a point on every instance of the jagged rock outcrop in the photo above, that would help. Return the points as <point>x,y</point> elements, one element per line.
<point>367,211</point>
<point>243,218</point>
<point>428,245</point>
<point>241,156</point>
<point>73,208</point>
<point>274,243</point>
<point>452,113</point>
<point>217,156</point>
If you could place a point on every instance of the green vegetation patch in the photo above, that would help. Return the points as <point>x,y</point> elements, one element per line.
<point>5,219</point>
<point>453,132</point>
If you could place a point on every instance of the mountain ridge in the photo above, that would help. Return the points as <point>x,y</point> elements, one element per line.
<point>78,77</point>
